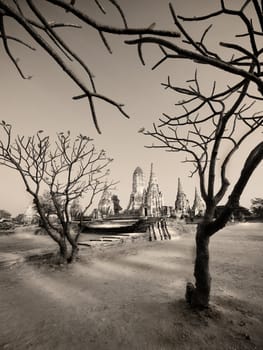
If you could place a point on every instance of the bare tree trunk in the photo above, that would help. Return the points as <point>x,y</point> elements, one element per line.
<point>198,296</point>
<point>73,241</point>
<point>63,250</point>
<point>74,253</point>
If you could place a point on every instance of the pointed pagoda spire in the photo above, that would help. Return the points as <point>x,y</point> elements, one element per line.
<point>198,205</point>
<point>153,178</point>
<point>153,198</point>
<point>196,199</point>
<point>179,188</point>
<point>181,202</point>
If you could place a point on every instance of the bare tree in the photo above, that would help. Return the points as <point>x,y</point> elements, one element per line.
<point>210,127</point>
<point>210,120</point>
<point>209,131</point>
<point>46,33</point>
<point>67,170</point>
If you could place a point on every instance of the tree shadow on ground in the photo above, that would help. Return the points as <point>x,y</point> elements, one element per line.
<point>227,324</point>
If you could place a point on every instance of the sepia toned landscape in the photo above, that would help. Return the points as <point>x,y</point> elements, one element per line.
<point>130,296</point>
<point>131,197</point>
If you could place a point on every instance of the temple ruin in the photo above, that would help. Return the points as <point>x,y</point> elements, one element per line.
<point>181,205</point>
<point>198,208</point>
<point>145,201</point>
<point>137,196</point>
<point>106,205</point>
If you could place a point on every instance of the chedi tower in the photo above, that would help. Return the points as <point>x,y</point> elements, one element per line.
<point>145,202</point>
<point>154,197</point>
<point>105,206</point>
<point>181,206</point>
<point>137,196</point>
<point>198,208</point>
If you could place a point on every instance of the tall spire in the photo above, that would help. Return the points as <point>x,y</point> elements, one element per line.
<point>181,205</point>
<point>153,178</point>
<point>198,205</point>
<point>153,200</point>
<point>180,187</point>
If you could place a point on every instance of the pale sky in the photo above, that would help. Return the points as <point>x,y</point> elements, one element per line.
<point>44,102</point>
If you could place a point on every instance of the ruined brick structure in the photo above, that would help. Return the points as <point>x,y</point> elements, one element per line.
<point>105,206</point>
<point>198,208</point>
<point>181,205</point>
<point>137,196</point>
<point>145,201</point>
<point>153,199</point>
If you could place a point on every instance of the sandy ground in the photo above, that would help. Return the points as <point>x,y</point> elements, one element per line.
<point>130,296</point>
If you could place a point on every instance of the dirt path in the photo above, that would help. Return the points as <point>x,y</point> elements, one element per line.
<point>131,297</point>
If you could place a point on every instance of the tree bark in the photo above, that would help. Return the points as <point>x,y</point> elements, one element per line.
<point>63,250</point>
<point>198,296</point>
<point>74,253</point>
